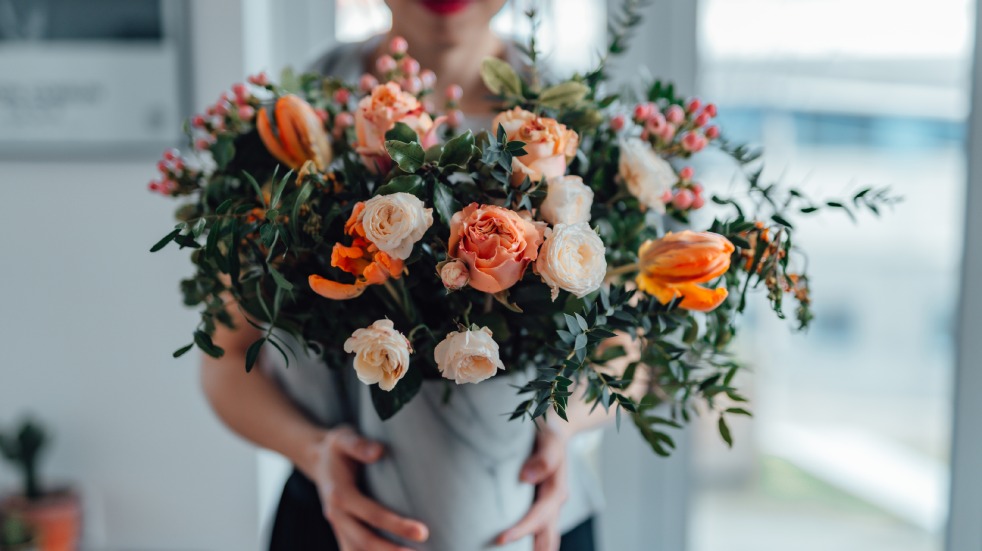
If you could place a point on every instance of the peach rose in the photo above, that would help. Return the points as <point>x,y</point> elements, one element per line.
<point>572,259</point>
<point>495,243</point>
<point>468,356</point>
<point>454,274</point>
<point>549,145</point>
<point>394,223</point>
<point>381,354</point>
<point>379,112</point>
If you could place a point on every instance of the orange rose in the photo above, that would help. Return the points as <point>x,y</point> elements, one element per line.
<point>672,267</point>
<point>299,136</point>
<point>549,145</point>
<point>362,259</point>
<point>495,243</point>
<point>378,113</point>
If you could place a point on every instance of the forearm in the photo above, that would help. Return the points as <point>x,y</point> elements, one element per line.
<point>253,406</point>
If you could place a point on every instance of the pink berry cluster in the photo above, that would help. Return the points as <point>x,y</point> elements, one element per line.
<point>399,67</point>
<point>230,113</point>
<point>175,176</point>
<point>686,195</point>
<point>676,130</point>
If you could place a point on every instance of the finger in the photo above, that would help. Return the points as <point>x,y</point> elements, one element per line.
<point>544,461</point>
<point>352,444</point>
<point>360,538</point>
<point>377,516</point>
<point>547,540</point>
<point>550,498</point>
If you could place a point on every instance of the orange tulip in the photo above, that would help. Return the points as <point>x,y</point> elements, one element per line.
<point>674,265</point>
<point>299,135</point>
<point>361,259</point>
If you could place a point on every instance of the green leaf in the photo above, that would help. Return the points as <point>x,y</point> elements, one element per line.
<point>278,190</point>
<point>280,280</point>
<point>500,77</point>
<point>580,342</point>
<point>401,132</point>
<point>410,183</point>
<point>739,411</point>
<point>252,354</point>
<point>302,197</point>
<point>781,220</point>
<point>256,187</point>
<point>444,202</point>
<point>167,239</point>
<point>389,403</point>
<point>458,150</point>
<point>183,350</point>
<point>724,431</point>
<point>204,342</point>
<point>408,155</point>
<point>563,95</point>
<point>223,150</point>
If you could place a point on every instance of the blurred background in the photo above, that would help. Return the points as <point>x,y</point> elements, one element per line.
<point>850,446</point>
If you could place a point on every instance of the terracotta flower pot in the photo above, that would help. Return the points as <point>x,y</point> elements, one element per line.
<point>56,518</point>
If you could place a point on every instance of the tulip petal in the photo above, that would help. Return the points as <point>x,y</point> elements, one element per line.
<point>269,139</point>
<point>335,290</point>
<point>700,298</point>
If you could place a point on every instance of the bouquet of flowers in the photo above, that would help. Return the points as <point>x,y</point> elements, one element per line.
<point>355,218</point>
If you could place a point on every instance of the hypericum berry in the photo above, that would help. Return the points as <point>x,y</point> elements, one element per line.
<point>644,111</point>
<point>171,154</point>
<point>668,133</point>
<point>342,95</point>
<point>454,92</point>
<point>693,105</point>
<point>697,188</point>
<point>710,109</point>
<point>656,124</point>
<point>666,197</point>
<point>712,132</point>
<point>412,84</point>
<point>385,64</point>
<point>455,118</point>
<point>428,77</point>
<point>247,112</point>
<point>617,123</point>
<point>241,93</point>
<point>398,45</point>
<point>163,167</point>
<point>198,121</point>
<point>367,83</point>
<point>259,79</point>
<point>409,66</point>
<point>693,142</point>
<point>675,115</point>
<point>343,120</point>
<point>202,144</point>
<point>683,199</point>
<point>702,119</point>
<point>322,115</point>
<point>698,202</point>
<point>686,173</point>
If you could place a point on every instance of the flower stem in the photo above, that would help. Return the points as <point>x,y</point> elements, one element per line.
<point>621,270</point>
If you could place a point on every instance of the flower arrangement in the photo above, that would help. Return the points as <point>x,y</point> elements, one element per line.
<point>356,218</point>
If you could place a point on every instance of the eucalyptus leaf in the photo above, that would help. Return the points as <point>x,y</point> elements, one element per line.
<point>562,95</point>
<point>500,77</point>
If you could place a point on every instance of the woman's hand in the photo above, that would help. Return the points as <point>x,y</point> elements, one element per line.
<point>546,468</point>
<point>335,463</point>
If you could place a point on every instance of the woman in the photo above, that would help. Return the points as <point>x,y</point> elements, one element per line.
<point>286,411</point>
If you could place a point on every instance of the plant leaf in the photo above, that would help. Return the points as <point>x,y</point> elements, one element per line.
<point>408,155</point>
<point>565,94</point>
<point>500,77</point>
<point>410,183</point>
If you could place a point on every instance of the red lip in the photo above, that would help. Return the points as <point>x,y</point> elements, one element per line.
<point>445,7</point>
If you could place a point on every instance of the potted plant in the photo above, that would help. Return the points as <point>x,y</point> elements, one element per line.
<point>15,535</point>
<point>54,516</point>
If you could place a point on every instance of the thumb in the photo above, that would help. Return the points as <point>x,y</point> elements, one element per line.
<point>359,448</point>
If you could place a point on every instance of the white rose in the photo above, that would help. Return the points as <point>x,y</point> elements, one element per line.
<point>647,175</point>
<point>572,259</point>
<point>394,223</point>
<point>468,356</point>
<point>568,201</point>
<point>381,354</point>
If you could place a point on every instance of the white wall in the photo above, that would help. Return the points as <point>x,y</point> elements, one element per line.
<point>90,319</point>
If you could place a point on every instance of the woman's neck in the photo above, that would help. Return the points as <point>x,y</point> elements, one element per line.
<point>458,63</point>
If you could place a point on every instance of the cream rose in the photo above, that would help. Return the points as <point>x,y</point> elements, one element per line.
<point>468,356</point>
<point>646,174</point>
<point>549,145</point>
<point>454,274</point>
<point>395,222</point>
<point>572,259</point>
<point>568,201</point>
<point>381,354</point>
